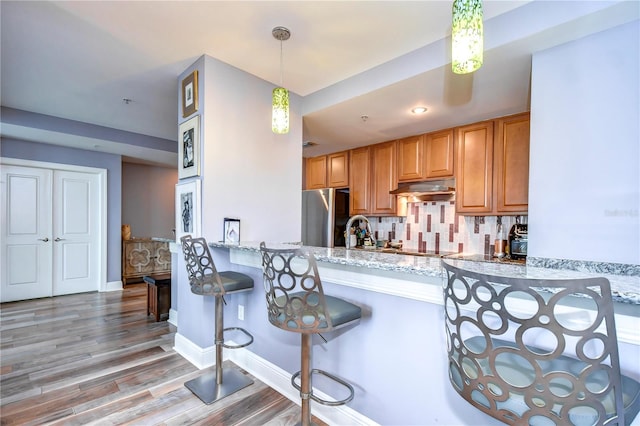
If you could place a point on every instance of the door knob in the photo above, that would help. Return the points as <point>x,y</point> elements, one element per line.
<point>59,239</point>
<point>45,239</point>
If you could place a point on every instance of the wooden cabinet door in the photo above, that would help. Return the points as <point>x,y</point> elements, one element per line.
<point>511,164</point>
<point>338,169</point>
<point>162,257</point>
<point>359,191</point>
<point>138,257</point>
<point>438,154</point>
<point>410,158</point>
<point>383,178</point>
<point>316,173</point>
<point>474,179</point>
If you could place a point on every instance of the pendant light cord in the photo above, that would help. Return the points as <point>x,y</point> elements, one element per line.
<point>281,64</point>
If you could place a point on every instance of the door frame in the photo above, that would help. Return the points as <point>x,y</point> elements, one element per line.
<point>102,222</point>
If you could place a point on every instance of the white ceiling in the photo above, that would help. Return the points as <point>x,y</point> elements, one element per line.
<point>78,59</point>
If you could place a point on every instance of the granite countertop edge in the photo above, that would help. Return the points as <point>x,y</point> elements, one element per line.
<point>624,279</point>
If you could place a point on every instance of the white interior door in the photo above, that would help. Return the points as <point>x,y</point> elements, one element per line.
<point>27,246</point>
<point>76,232</point>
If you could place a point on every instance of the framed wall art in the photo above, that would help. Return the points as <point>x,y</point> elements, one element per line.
<point>190,94</point>
<point>231,231</point>
<point>187,209</point>
<point>189,148</point>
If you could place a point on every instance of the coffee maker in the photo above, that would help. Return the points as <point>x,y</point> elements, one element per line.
<point>518,241</point>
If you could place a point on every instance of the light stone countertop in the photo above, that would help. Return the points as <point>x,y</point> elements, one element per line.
<point>624,288</point>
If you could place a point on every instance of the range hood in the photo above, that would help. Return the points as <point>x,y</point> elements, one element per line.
<point>432,190</point>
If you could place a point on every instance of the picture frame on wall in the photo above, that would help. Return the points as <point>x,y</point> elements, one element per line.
<point>190,94</point>
<point>188,219</point>
<point>231,231</point>
<point>189,148</point>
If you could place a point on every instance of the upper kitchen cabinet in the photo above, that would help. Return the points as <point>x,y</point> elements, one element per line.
<point>425,157</point>
<point>383,179</point>
<point>410,158</point>
<point>511,164</point>
<point>438,154</point>
<point>474,177</point>
<point>359,188</point>
<point>327,171</point>
<point>493,168</point>
<point>338,169</point>
<point>316,172</point>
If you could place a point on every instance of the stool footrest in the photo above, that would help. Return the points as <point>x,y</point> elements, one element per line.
<point>332,377</point>
<point>242,345</point>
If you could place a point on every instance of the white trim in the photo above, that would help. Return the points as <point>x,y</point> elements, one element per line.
<point>200,357</point>
<point>280,380</point>
<point>102,177</point>
<point>173,317</point>
<point>104,247</point>
<point>46,165</point>
<point>113,286</point>
<point>271,375</point>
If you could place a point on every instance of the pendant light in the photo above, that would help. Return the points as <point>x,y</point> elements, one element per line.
<point>466,36</point>
<point>280,99</point>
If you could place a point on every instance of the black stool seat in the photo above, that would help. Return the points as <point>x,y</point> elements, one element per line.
<point>338,310</point>
<point>231,282</point>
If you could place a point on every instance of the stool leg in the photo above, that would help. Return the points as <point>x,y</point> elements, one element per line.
<point>211,387</point>
<point>305,379</point>
<point>219,338</point>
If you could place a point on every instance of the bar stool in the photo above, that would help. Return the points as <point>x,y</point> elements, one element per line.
<point>205,280</point>
<point>296,302</point>
<point>514,355</point>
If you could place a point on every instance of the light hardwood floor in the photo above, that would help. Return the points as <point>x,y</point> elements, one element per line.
<point>96,358</point>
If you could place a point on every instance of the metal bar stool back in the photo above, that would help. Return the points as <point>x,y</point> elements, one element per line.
<point>518,354</point>
<point>296,302</point>
<point>205,280</point>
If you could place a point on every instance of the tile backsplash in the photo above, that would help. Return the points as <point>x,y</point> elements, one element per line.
<point>435,226</point>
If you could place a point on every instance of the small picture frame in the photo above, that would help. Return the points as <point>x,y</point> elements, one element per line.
<point>190,94</point>
<point>189,148</point>
<point>187,209</point>
<point>231,231</point>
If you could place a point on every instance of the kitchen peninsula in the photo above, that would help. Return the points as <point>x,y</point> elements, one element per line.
<point>400,343</point>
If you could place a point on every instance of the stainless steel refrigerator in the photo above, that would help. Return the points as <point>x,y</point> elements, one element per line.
<point>325,213</point>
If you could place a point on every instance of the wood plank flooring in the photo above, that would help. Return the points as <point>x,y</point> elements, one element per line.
<point>96,358</point>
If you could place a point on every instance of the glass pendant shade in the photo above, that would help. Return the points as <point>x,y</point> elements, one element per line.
<point>280,112</point>
<point>466,36</point>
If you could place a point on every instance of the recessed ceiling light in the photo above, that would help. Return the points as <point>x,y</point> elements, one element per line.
<point>419,110</point>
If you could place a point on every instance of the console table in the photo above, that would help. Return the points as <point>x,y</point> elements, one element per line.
<point>145,256</point>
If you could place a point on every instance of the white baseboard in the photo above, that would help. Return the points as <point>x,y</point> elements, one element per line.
<point>280,380</point>
<point>112,286</point>
<point>173,317</point>
<point>200,357</point>
<point>271,375</point>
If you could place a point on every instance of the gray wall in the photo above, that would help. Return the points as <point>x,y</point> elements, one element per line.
<point>148,200</point>
<point>247,172</point>
<point>584,186</point>
<point>12,148</point>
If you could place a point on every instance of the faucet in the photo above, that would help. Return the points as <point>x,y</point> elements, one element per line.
<point>347,242</point>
